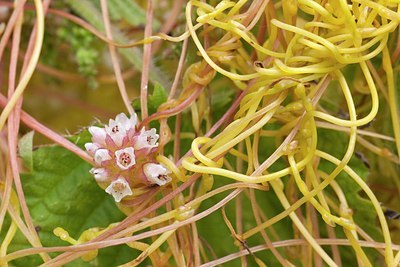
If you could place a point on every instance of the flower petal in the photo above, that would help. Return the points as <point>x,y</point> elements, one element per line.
<point>100,174</point>
<point>124,121</point>
<point>98,134</point>
<point>133,119</point>
<point>119,189</point>
<point>116,131</point>
<point>125,158</point>
<point>91,148</point>
<point>156,173</point>
<point>101,155</point>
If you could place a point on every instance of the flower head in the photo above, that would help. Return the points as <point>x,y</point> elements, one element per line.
<point>156,173</point>
<point>122,154</point>
<point>119,189</point>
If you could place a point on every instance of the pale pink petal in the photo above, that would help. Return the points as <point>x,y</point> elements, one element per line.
<point>100,174</point>
<point>101,155</point>
<point>98,134</point>
<point>116,131</point>
<point>133,120</point>
<point>119,189</point>
<point>91,148</point>
<point>124,121</point>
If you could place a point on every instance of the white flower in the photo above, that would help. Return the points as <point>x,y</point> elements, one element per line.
<point>101,155</point>
<point>118,128</point>
<point>119,189</point>
<point>98,135</point>
<point>100,174</point>
<point>147,139</point>
<point>127,123</point>
<point>116,131</point>
<point>156,173</point>
<point>125,158</point>
<point>91,148</point>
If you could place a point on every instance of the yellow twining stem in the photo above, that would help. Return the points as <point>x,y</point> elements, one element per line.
<point>326,216</point>
<point>374,201</point>
<point>285,203</point>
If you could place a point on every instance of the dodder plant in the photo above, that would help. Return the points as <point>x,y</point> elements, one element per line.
<point>277,143</point>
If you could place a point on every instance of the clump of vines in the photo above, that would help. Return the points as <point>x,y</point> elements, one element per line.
<point>295,70</point>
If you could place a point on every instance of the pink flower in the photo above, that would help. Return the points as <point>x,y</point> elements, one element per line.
<point>128,123</point>
<point>119,189</point>
<point>156,173</point>
<point>118,128</point>
<point>125,158</point>
<point>147,139</point>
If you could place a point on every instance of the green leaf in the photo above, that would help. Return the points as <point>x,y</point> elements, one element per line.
<point>25,147</point>
<point>60,192</point>
<point>221,98</point>
<point>213,228</point>
<point>158,97</point>
<point>131,12</point>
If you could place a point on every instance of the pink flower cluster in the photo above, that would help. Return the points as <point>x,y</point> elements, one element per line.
<point>125,157</point>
